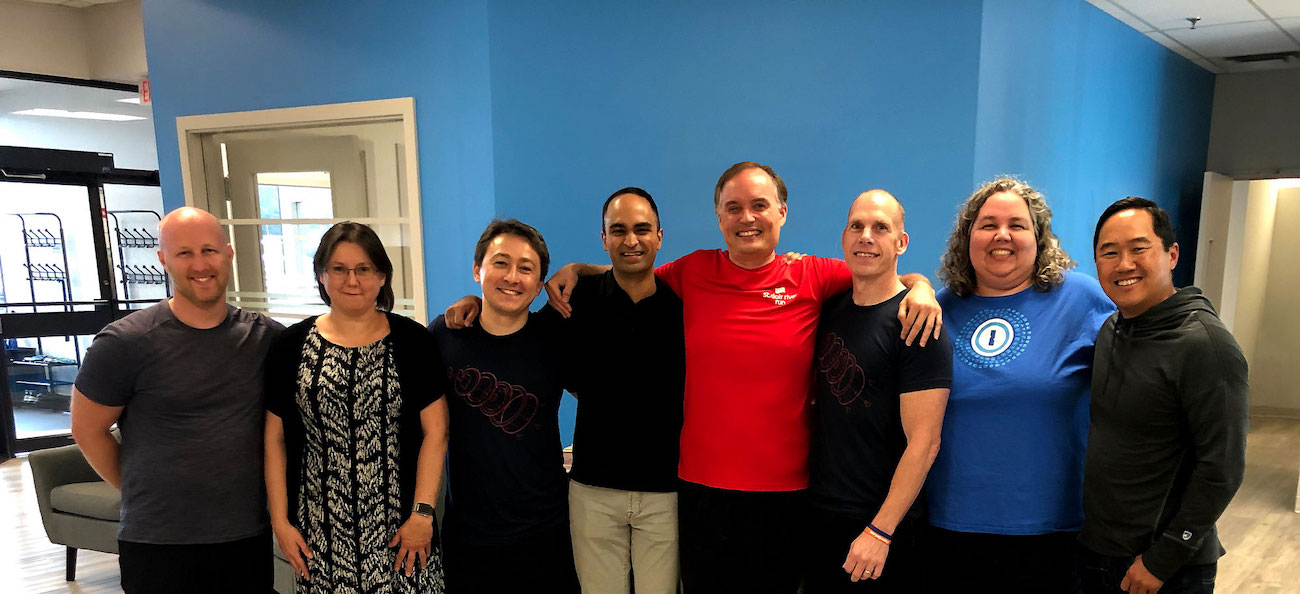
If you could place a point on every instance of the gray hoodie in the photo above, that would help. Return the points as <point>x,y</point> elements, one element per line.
<point>1167,442</point>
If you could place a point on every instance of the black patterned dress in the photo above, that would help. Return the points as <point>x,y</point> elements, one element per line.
<point>349,497</point>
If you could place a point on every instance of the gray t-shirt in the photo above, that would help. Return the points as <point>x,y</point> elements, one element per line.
<point>191,426</point>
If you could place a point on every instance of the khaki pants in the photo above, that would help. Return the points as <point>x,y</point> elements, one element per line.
<point>616,532</point>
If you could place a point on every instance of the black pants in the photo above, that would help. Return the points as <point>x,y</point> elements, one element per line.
<point>219,568</point>
<point>740,541</point>
<point>978,562</point>
<point>829,537</point>
<point>1101,574</point>
<point>537,563</point>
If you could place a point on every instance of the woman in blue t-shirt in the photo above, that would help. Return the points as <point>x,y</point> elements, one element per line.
<point>1004,494</point>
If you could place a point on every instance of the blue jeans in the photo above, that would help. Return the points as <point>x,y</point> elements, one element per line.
<point>1101,574</point>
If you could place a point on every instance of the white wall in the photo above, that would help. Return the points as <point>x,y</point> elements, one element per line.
<point>115,34</point>
<point>1274,374</point>
<point>1257,244</point>
<point>103,42</point>
<point>1255,125</point>
<point>1211,248</point>
<point>43,38</point>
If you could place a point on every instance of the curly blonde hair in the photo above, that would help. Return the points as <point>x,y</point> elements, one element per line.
<point>956,270</point>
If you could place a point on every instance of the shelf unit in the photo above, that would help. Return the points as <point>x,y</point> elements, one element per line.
<point>128,238</point>
<point>47,238</point>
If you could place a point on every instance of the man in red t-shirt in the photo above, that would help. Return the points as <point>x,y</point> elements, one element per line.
<point>750,322</point>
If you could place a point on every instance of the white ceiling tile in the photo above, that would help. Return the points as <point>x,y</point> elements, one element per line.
<point>1280,9</point>
<point>1124,16</point>
<point>1174,46</point>
<point>1167,14</point>
<point>1234,40</point>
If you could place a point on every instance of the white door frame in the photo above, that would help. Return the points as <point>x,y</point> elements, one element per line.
<point>189,131</point>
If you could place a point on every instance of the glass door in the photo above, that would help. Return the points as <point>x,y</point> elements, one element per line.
<point>47,263</point>
<point>57,280</point>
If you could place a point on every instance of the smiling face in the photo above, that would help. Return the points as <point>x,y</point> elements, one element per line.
<point>509,274</point>
<point>750,216</point>
<point>350,279</point>
<point>873,238</point>
<point>631,234</point>
<point>1003,246</point>
<point>196,254</point>
<point>1135,269</point>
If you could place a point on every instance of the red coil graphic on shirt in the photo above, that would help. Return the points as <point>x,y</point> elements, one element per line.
<point>841,369</point>
<point>506,405</point>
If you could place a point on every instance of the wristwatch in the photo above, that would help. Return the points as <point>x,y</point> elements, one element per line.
<point>423,509</point>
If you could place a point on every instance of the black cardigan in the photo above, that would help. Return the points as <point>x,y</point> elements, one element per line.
<point>416,356</point>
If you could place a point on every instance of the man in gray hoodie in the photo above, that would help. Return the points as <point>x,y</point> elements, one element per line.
<point>1167,443</point>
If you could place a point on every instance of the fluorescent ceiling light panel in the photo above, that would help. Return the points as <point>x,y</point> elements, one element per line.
<point>79,115</point>
<point>135,100</point>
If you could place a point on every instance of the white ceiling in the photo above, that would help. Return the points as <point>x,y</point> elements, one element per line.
<point>1227,28</point>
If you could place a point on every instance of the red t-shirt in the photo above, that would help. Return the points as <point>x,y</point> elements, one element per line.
<point>749,349</point>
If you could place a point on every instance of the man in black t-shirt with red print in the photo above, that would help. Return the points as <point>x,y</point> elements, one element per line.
<point>877,413</point>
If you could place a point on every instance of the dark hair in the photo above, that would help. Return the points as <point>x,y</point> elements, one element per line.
<point>629,190</point>
<point>518,229</point>
<point>1160,221</point>
<point>1050,263</point>
<point>735,170</point>
<point>366,239</point>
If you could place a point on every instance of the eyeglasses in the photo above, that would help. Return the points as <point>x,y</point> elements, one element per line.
<point>363,272</point>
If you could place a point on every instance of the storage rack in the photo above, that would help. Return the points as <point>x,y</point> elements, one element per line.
<point>137,238</point>
<point>45,238</point>
<point>34,237</point>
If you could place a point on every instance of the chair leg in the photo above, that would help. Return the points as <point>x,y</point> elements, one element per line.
<point>72,564</point>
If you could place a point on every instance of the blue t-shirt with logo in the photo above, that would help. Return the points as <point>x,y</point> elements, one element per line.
<point>1016,427</point>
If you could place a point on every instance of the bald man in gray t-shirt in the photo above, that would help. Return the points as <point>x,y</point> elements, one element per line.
<point>183,381</point>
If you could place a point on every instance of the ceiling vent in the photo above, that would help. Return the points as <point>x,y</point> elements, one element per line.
<point>1279,56</point>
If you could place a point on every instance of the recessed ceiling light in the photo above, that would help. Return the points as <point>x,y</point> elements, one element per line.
<point>80,115</point>
<point>135,100</point>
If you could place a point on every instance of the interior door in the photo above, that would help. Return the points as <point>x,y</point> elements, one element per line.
<point>281,193</point>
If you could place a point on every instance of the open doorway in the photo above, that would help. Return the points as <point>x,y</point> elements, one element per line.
<point>1249,239</point>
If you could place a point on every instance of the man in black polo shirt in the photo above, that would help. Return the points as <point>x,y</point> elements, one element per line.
<point>877,412</point>
<point>626,330</point>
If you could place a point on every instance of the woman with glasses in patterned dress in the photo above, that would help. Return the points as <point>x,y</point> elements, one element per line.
<point>356,432</point>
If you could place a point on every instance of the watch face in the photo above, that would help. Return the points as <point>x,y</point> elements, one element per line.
<point>423,509</point>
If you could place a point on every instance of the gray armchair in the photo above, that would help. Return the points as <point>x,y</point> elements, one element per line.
<point>79,510</point>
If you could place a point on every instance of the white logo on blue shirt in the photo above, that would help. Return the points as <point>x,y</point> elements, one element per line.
<point>993,338</point>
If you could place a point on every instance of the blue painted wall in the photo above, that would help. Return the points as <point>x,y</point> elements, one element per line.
<point>539,110</point>
<point>1090,111</point>
<point>588,98</point>
<point>236,55</point>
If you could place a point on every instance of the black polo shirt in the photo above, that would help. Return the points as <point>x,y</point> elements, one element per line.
<point>630,374</point>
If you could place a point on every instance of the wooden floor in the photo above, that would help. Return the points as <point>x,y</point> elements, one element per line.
<point>1260,529</point>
